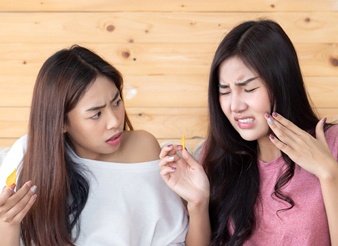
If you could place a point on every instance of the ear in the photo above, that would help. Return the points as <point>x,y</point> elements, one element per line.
<point>64,129</point>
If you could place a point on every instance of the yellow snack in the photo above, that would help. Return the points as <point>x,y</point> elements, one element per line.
<point>183,141</point>
<point>11,178</point>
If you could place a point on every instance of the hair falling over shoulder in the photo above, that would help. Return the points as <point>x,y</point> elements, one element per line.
<point>229,160</point>
<point>62,185</point>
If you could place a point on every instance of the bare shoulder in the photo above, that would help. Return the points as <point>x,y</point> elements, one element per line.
<point>145,139</point>
<point>143,145</point>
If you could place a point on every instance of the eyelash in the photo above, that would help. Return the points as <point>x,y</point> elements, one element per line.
<point>98,114</point>
<point>117,103</point>
<point>227,93</point>
<point>251,90</point>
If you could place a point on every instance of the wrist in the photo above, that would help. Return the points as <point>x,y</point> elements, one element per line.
<point>197,207</point>
<point>331,173</point>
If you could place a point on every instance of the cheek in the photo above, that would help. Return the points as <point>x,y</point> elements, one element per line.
<point>260,103</point>
<point>79,131</point>
<point>122,113</point>
<point>81,128</point>
<point>225,105</point>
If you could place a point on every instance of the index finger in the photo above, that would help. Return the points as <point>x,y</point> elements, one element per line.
<point>19,194</point>
<point>169,149</point>
<point>166,151</point>
<point>7,192</point>
<point>287,123</point>
<point>189,158</point>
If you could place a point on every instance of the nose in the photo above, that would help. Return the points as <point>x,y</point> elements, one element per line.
<point>237,104</point>
<point>113,120</point>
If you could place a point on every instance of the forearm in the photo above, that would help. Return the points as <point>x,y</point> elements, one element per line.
<point>329,185</point>
<point>9,234</point>
<point>199,231</point>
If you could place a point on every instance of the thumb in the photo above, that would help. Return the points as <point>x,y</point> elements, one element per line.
<point>320,131</point>
<point>189,158</point>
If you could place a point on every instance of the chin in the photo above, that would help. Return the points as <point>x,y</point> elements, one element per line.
<point>248,137</point>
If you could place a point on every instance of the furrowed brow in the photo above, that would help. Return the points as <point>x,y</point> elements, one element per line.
<point>95,108</point>
<point>223,86</point>
<point>245,82</point>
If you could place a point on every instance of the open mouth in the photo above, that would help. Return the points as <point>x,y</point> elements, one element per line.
<point>246,120</point>
<point>114,139</point>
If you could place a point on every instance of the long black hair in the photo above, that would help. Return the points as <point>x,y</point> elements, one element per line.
<point>229,160</point>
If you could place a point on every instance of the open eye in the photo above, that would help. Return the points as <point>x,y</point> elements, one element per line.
<point>117,102</point>
<point>96,116</point>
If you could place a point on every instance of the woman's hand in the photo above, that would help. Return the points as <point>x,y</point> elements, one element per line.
<point>312,154</point>
<point>15,205</point>
<point>184,175</point>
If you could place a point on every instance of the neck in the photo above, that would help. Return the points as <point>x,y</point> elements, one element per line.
<point>267,150</point>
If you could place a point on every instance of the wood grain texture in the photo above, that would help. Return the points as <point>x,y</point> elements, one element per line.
<point>172,91</point>
<point>164,50</point>
<point>156,27</point>
<point>317,59</point>
<point>172,5</point>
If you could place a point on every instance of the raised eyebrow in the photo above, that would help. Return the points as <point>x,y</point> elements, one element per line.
<point>246,81</point>
<point>95,108</point>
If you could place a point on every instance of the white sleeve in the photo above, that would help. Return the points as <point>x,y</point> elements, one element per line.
<point>12,159</point>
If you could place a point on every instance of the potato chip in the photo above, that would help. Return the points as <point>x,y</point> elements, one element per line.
<point>11,178</point>
<point>183,141</point>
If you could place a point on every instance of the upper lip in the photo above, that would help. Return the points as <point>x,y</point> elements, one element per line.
<point>115,136</point>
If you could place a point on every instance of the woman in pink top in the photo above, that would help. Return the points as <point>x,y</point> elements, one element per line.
<point>271,163</point>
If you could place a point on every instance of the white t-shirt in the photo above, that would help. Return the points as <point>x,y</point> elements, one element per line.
<point>128,204</point>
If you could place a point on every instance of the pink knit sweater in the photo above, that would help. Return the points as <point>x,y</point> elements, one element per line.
<point>304,224</point>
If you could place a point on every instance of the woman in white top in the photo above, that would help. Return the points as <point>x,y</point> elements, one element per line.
<point>85,177</point>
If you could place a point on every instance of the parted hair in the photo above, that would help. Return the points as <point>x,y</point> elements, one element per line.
<point>229,160</point>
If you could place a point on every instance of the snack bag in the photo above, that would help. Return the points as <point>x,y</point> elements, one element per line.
<point>11,179</point>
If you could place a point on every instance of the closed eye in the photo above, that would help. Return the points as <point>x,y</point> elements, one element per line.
<point>251,90</point>
<point>224,93</point>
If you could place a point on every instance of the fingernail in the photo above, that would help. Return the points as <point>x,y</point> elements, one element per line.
<point>324,121</point>
<point>272,136</point>
<point>270,120</point>
<point>274,114</point>
<point>173,168</point>
<point>267,115</point>
<point>169,145</point>
<point>33,188</point>
<point>171,158</point>
<point>12,187</point>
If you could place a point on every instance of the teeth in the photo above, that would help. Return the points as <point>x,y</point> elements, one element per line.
<point>247,120</point>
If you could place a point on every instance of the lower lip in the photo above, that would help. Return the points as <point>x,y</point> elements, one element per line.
<point>248,125</point>
<point>114,142</point>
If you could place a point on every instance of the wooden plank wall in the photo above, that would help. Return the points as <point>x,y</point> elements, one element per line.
<point>164,50</point>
